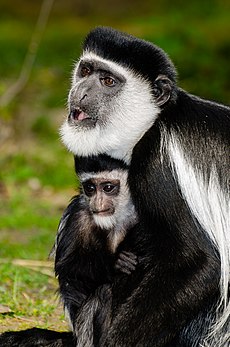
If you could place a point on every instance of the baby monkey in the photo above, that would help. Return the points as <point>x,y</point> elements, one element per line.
<point>87,256</point>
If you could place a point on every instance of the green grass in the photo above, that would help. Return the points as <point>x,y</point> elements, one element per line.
<point>31,298</point>
<point>34,191</point>
<point>33,194</point>
<point>17,280</point>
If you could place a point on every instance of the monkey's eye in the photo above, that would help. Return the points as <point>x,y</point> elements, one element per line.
<point>109,188</point>
<point>89,189</point>
<point>108,81</point>
<point>85,71</point>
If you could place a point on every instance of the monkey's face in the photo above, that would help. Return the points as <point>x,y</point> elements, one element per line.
<point>95,85</point>
<point>107,196</point>
<point>101,195</point>
<point>110,108</point>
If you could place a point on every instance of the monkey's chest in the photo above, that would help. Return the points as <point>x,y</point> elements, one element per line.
<point>92,270</point>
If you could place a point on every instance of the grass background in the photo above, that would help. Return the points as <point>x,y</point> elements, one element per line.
<point>36,172</point>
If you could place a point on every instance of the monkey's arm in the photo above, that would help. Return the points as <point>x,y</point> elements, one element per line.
<point>126,262</point>
<point>71,260</point>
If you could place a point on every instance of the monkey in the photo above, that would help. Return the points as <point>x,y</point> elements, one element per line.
<point>124,102</point>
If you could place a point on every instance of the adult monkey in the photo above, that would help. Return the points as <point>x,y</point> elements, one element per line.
<point>124,102</point>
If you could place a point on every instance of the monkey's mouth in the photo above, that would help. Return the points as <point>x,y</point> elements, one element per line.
<point>106,212</point>
<point>77,115</point>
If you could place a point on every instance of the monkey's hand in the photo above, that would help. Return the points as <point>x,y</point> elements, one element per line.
<point>126,262</point>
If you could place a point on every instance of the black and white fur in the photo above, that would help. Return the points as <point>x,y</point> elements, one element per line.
<point>177,146</point>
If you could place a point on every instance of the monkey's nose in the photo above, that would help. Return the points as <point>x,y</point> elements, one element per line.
<point>83,99</point>
<point>84,96</point>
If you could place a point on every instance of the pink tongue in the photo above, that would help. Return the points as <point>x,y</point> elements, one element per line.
<point>82,116</point>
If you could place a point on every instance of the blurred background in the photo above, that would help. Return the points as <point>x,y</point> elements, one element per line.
<point>39,43</point>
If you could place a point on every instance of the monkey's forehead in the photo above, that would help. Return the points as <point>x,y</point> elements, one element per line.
<point>100,64</point>
<point>108,65</point>
<point>114,175</point>
<point>138,55</point>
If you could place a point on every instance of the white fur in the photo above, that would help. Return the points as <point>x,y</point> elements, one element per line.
<point>105,222</point>
<point>211,207</point>
<point>84,327</point>
<point>133,113</point>
<point>67,317</point>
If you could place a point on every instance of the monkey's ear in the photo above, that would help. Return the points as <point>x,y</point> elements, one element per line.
<point>162,89</point>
